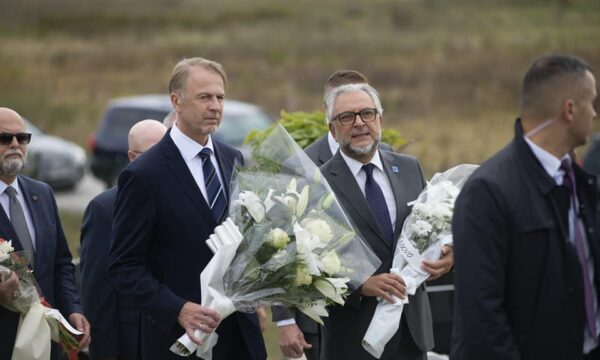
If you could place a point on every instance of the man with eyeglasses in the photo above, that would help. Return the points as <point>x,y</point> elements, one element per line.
<point>114,318</point>
<point>374,187</point>
<point>29,217</point>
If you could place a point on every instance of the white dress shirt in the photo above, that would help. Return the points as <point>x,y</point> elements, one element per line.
<point>552,166</point>
<point>333,144</point>
<point>5,202</point>
<point>190,151</point>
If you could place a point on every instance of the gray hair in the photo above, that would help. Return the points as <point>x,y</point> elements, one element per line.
<point>333,95</point>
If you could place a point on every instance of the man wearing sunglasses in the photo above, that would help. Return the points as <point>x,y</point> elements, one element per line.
<point>374,187</point>
<point>29,217</point>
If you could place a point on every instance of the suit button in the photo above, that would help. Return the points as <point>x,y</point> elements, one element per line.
<point>591,230</point>
<point>570,290</point>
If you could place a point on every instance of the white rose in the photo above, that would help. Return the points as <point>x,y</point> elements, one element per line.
<point>319,228</point>
<point>302,276</point>
<point>330,263</point>
<point>6,248</point>
<point>278,238</point>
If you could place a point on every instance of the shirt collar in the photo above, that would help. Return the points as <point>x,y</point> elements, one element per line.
<point>188,148</point>
<point>549,162</point>
<point>355,166</point>
<point>333,144</point>
<point>14,184</point>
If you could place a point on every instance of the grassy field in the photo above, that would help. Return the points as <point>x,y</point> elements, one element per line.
<point>448,71</point>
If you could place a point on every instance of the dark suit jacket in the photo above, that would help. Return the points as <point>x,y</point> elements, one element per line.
<point>114,319</point>
<point>158,250</point>
<point>347,325</point>
<point>519,287</point>
<point>54,271</point>
<point>319,151</point>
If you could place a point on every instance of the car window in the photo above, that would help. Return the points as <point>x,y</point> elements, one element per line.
<point>234,128</point>
<point>118,121</point>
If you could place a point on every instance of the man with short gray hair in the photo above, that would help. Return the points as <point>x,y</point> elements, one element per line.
<point>374,187</point>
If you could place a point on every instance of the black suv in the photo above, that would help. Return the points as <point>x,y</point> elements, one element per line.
<point>108,147</point>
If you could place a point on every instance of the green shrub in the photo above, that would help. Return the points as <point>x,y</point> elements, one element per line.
<point>305,128</point>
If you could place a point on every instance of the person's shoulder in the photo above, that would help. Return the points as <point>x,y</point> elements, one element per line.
<point>225,149</point>
<point>33,185</point>
<point>398,157</point>
<point>106,197</point>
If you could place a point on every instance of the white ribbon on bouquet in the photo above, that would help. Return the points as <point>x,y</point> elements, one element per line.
<point>407,264</point>
<point>223,243</point>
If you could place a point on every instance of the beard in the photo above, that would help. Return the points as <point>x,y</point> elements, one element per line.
<point>359,151</point>
<point>12,166</point>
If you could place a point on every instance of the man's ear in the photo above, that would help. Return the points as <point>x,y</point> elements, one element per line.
<point>332,131</point>
<point>131,155</point>
<point>176,101</point>
<point>567,110</point>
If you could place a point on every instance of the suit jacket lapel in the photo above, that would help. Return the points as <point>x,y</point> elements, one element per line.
<point>226,164</point>
<point>349,189</point>
<point>395,174</point>
<point>182,174</point>
<point>32,203</point>
<point>7,232</point>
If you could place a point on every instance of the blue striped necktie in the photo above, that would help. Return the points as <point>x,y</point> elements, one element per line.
<point>377,203</point>
<point>214,190</point>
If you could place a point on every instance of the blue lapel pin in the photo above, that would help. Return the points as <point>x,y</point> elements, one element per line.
<point>394,169</point>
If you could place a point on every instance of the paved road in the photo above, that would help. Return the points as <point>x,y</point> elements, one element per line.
<point>76,200</point>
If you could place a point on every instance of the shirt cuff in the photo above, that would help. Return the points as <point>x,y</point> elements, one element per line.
<point>285,322</point>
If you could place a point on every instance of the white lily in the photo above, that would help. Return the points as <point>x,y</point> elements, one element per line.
<point>305,243</point>
<point>315,310</point>
<point>269,203</point>
<point>302,201</point>
<point>329,289</point>
<point>292,186</point>
<point>252,203</point>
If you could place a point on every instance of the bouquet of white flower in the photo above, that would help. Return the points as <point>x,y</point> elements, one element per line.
<point>39,322</point>
<point>424,232</point>
<point>287,242</point>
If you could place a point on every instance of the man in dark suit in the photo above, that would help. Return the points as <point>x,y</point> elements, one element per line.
<point>168,203</point>
<point>114,319</point>
<point>29,217</point>
<point>297,332</point>
<point>527,253</point>
<point>374,188</point>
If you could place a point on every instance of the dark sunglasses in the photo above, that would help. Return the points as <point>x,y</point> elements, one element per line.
<point>22,138</point>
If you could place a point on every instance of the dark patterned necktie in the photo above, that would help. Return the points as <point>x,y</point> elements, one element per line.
<point>590,311</point>
<point>17,218</point>
<point>377,203</point>
<point>214,190</point>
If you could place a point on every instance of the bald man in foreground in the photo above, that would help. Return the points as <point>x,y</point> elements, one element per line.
<point>29,217</point>
<point>114,318</point>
